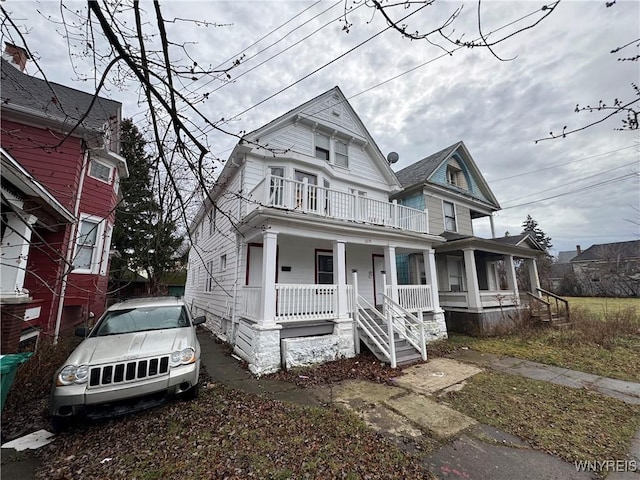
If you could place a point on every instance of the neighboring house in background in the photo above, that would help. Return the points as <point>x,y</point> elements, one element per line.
<point>68,142</point>
<point>478,288</point>
<point>294,240</point>
<point>562,272</point>
<point>609,269</point>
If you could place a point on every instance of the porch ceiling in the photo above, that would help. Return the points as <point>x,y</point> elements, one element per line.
<point>301,225</point>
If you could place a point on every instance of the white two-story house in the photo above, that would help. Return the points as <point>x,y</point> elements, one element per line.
<point>294,252</point>
<point>478,288</point>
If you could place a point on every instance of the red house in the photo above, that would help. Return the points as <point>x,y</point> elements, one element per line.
<point>66,142</point>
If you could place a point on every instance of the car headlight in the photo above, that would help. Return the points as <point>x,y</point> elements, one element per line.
<point>73,374</point>
<point>183,357</point>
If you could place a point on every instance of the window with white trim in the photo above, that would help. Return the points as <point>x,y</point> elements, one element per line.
<point>449,211</point>
<point>223,262</point>
<point>209,273</point>
<point>100,171</point>
<point>88,248</point>
<point>341,153</point>
<point>212,220</point>
<point>323,146</point>
<point>324,268</point>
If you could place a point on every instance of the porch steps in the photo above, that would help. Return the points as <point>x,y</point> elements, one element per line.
<point>405,352</point>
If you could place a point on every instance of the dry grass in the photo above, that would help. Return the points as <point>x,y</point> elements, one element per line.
<point>571,423</point>
<point>602,306</point>
<point>607,345</point>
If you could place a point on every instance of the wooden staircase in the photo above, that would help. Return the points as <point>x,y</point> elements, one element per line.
<point>549,310</point>
<point>405,352</point>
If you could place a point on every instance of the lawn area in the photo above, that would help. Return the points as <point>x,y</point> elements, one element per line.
<point>571,423</point>
<point>228,434</point>
<point>602,306</point>
<point>606,344</point>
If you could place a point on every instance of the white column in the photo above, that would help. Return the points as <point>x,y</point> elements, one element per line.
<point>432,276</point>
<point>269,250</point>
<point>512,282</point>
<point>340,277</point>
<point>471,275</point>
<point>493,228</point>
<point>15,251</point>
<point>391,270</point>
<point>534,279</point>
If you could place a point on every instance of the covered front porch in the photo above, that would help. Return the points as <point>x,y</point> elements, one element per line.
<point>479,288</point>
<point>302,287</point>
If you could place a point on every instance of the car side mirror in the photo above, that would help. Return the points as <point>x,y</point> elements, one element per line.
<point>199,320</point>
<point>82,332</point>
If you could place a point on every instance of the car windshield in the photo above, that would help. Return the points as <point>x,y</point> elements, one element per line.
<point>142,319</point>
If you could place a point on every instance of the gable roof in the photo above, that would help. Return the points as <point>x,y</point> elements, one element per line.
<point>55,102</point>
<point>519,241</point>
<point>520,245</point>
<point>620,250</point>
<point>424,172</point>
<point>566,256</point>
<point>336,98</point>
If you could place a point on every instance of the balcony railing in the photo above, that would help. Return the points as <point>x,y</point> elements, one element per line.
<point>308,198</point>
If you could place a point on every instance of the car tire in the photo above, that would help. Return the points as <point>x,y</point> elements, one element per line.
<point>59,424</point>
<point>192,393</point>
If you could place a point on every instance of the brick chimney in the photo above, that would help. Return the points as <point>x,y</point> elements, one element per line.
<point>17,56</point>
<point>578,250</point>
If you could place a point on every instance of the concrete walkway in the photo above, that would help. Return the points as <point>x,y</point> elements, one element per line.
<point>628,392</point>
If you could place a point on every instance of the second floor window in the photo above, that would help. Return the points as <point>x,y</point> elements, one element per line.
<point>342,153</point>
<point>87,256</point>
<point>449,216</point>
<point>209,283</point>
<point>100,171</point>
<point>323,146</point>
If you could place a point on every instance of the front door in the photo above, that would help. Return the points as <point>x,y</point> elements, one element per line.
<point>378,284</point>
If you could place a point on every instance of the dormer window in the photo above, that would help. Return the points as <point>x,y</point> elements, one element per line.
<point>323,146</point>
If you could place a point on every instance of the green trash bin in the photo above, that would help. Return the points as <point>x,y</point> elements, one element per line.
<point>8,367</point>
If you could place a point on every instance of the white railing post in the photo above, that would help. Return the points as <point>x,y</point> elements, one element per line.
<point>423,345</point>
<point>267,191</point>
<point>395,221</point>
<point>356,310</point>
<point>305,193</point>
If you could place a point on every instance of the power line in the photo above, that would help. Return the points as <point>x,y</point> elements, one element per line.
<point>560,164</point>
<point>574,181</point>
<point>588,187</point>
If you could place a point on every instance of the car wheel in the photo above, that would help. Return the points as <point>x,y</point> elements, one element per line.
<point>192,393</point>
<point>59,424</point>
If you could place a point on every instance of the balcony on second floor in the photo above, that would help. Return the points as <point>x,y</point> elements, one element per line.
<point>302,196</point>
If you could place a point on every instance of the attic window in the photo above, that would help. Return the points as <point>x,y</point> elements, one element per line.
<point>100,171</point>
<point>453,175</point>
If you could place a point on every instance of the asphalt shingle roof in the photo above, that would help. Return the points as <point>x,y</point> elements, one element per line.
<point>420,171</point>
<point>622,250</point>
<point>63,104</point>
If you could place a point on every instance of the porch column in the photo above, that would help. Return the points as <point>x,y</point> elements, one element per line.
<point>15,251</point>
<point>269,249</point>
<point>432,277</point>
<point>512,281</point>
<point>392,270</point>
<point>340,277</point>
<point>493,228</point>
<point>471,275</point>
<point>534,279</point>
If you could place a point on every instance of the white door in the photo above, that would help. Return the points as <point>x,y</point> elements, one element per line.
<point>378,284</point>
<point>254,272</point>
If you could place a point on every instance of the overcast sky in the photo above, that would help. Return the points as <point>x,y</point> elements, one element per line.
<point>497,108</point>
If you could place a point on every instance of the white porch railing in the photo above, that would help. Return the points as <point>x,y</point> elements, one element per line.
<point>488,298</point>
<point>498,298</point>
<point>413,298</point>
<point>302,196</point>
<point>251,298</point>
<point>305,302</point>
<point>408,325</point>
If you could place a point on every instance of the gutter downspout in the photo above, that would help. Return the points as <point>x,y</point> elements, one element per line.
<point>71,246</point>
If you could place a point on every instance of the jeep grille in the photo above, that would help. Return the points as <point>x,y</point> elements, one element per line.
<point>125,372</point>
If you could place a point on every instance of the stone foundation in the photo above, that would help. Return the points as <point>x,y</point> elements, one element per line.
<point>486,323</point>
<point>436,327</point>
<point>305,351</point>
<point>264,356</point>
<point>343,329</point>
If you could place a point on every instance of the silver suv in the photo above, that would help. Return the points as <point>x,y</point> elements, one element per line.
<point>140,352</point>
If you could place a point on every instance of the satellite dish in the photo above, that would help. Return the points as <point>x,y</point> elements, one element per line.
<point>392,157</point>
